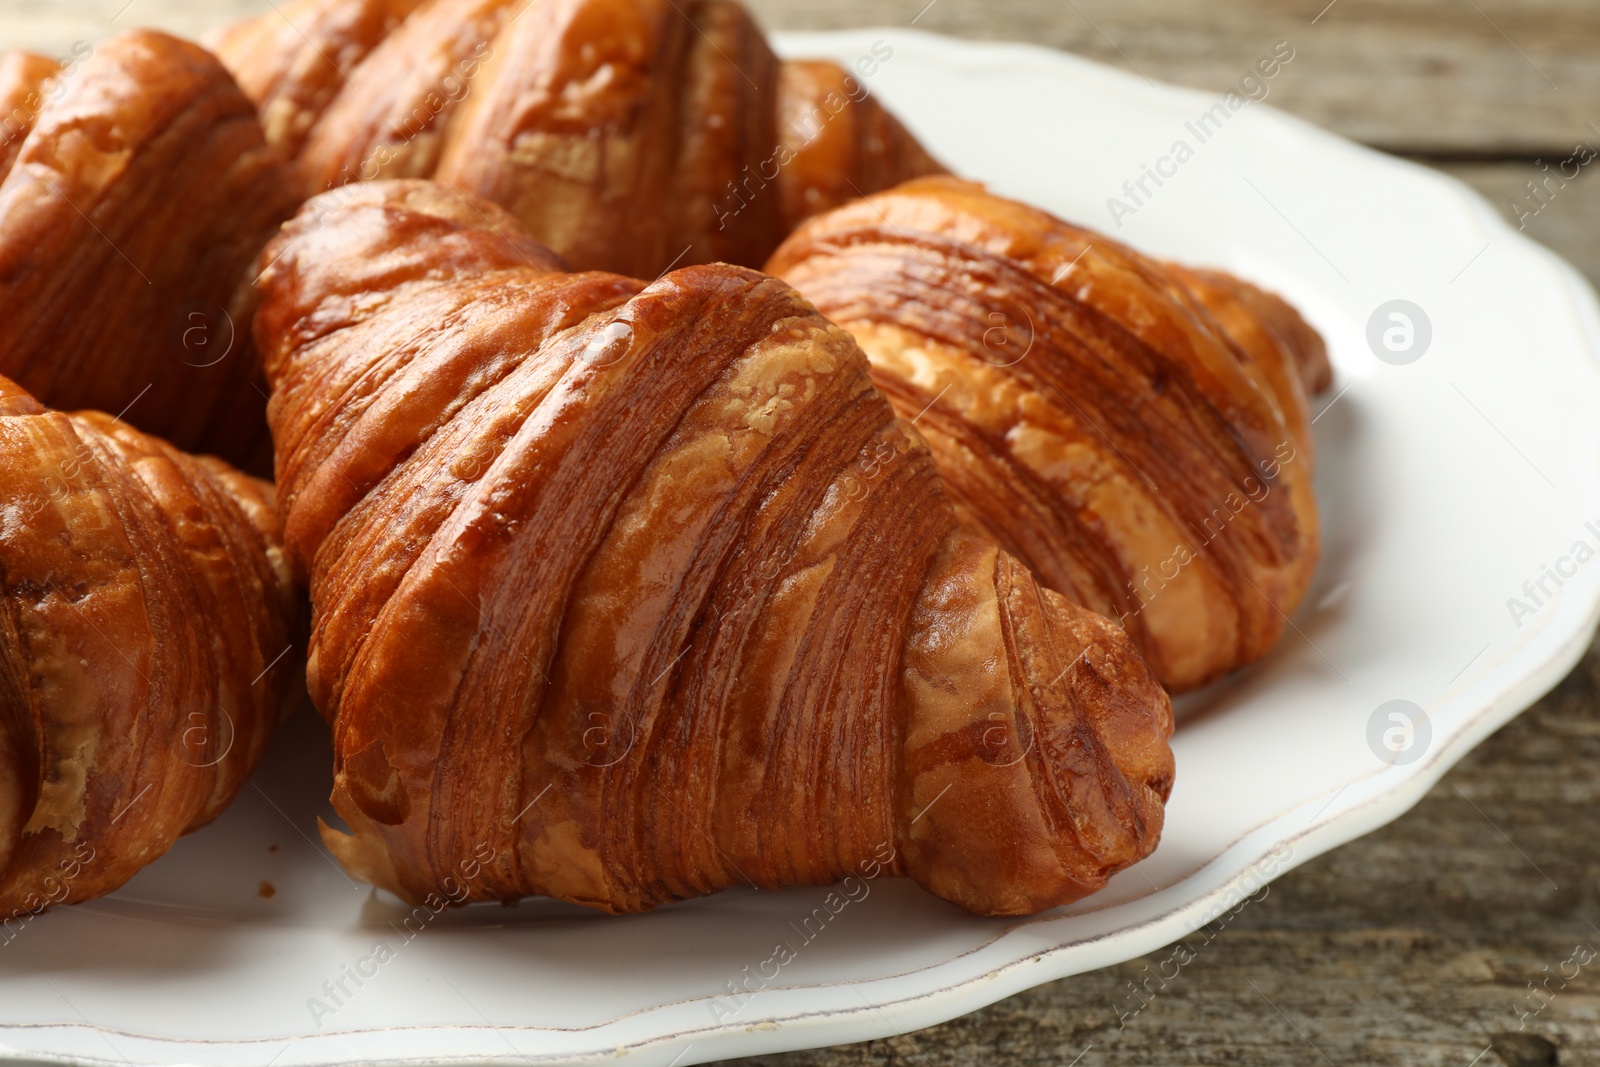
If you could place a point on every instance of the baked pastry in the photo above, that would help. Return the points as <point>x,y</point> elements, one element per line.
<point>1147,457</point>
<point>137,190</point>
<point>146,623</point>
<point>1288,353</point>
<point>627,135</point>
<point>624,593</point>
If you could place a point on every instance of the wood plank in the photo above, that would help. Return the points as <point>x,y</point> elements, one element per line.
<point>1436,76</point>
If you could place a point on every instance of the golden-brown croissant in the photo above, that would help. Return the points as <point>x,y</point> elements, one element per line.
<point>146,620</point>
<point>624,593</point>
<point>137,190</point>
<point>1290,356</point>
<point>1144,455</point>
<point>627,135</point>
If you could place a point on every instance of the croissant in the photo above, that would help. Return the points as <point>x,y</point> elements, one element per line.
<point>625,593</point>
<point>125,720</point>
<point>1135,433</point>
<point>1289,354</point>
<point>627,135</point>
<point>137,190</point>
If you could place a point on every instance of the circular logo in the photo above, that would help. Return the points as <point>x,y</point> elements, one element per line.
<point>1398,732</point>
<point>1399,332</point>
<point>1003,742</point>
<point>606,741</point>
<point>608,346</point>
<point>471,464</point>
<point>205,335</point>
<point>1006,341</point>
<point>200,746</point>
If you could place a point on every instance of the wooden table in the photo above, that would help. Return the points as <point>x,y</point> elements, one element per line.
<point>1416,945</point>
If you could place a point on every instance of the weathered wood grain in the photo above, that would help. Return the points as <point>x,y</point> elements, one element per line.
<point>1445,77</point>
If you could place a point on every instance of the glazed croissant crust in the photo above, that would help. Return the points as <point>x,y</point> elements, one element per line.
<point>137,189</point>
<point>146,621</point>
<point>642,591</point>
<point>627,135</point>
<point>1134,432</point>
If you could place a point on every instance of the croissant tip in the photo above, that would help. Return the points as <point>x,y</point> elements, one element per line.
<point>364,857</point>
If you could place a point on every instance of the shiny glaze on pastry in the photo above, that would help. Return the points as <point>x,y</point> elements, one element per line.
<point>146,622</point>
<point>137,191</point>
<point>628,135</point>
<point>1147,457</point>
<point>628,592</point>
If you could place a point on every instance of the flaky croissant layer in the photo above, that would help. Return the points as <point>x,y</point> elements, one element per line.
<point>135,189</point>
<point>644,591</point>
<point>147,618</point>
<point>1135,432</point>
<point>628,135</point>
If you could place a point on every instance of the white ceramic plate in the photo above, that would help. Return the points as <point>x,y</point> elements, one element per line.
<point>1446,484</point>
